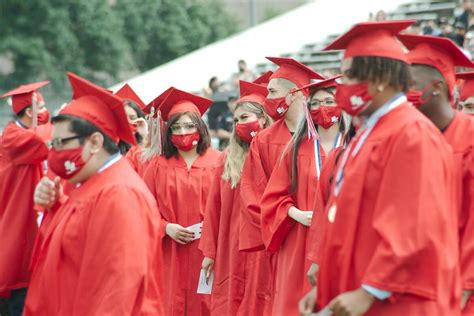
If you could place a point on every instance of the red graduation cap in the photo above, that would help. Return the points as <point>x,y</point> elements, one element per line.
<point>438,52</point>
<point>372,39</point>
<point>251,92</point>
<point>127,93</point>
<point>264,78</point>
<point>293,71</point>
<point>157,101</point>
<point>323,84</point>
<point>178,101</point>
<point>467,89</point>
<point>23,95</point>
<point>100,108</point>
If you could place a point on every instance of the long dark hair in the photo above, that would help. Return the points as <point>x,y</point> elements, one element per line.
<point>169,150</point>
<point>298,138</point>
<point>123,146</point>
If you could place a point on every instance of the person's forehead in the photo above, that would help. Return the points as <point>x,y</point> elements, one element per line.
<point>61,129</point>
<point>322,94</point>
<point>184,118</point>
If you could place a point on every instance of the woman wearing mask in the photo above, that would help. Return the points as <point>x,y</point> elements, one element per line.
<point>289,197</point>
<point>242,280</point>
<point>180,179</point>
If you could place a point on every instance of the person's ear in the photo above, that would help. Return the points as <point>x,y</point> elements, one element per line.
<point>439,88</point>
<point>29,112</point>
<point>262,121</point>
<point>96,142</point>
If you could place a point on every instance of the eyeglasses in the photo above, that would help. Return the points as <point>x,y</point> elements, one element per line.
<point>58,143</point>
<point>328,101</point>
<point>186,126</point>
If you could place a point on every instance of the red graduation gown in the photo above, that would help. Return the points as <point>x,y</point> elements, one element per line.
<point>460,135</point>
<point>100,253</point>
<point>241,283</point>
<point>282,234</point>
<point>182,197</point>
<point>394,227</point>
<point>134,156</point>
<point>21,154</point>
<point>322,193</point>
<point>265,152</point>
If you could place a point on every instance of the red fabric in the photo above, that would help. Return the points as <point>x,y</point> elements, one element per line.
<point>252,92</point>
<point>23,95</point>
<point>438,52</point>
<point>372,39</point>
<point>182,197</point>
<point>242,280</point>
<point>285,236</point>
<point>460,135</point>
<point>394,227</point>
<point>99,252</point>
<point>294,71</point>
<point>134,156</point>
<point>99,107</point>
<point>316,231</point>
<point>21,154</point>
<point>265,152</point>
<point>467,87</point>
<point>127,93</point>
<point>178,101</point>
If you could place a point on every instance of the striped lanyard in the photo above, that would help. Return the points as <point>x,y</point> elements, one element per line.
<point>317,152</point>
<point>355,146</point>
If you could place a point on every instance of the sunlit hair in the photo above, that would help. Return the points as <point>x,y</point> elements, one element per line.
<point>302,132</point>
<point>237,149</point>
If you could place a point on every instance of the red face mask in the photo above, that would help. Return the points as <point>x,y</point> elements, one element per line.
<point>66,163</point>
<point>186,142</point>
<point>416,96</point>
<point>276,108</point>
<point>353,98</point>
<point>326,116</point>
<point>247,131</point>
<point>43,117</point>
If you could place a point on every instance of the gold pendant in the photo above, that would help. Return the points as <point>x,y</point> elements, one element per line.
<point>332,213</point>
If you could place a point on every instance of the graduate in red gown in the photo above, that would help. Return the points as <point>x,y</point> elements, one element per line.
<point>98,253</point>
<point>433,62</point>
<point>288,200</point>
<point>466,93</point>
<point>390,245</point>
<point>180,180</point>
<point>242,280</point>
<point>134,107</point>
<point>22,152</point>
<point>286,109</point>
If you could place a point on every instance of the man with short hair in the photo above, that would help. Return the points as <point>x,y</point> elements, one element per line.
<point>98,251</point>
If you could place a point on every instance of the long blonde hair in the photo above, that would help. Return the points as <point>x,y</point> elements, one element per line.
<point>237,149</point>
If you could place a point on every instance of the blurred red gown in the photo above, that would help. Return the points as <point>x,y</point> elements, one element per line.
<point>181,196</point>
<point>21,154</point>
<point>460,135</point>
<point>393,226</point>
<point>316,230</point>
<point>99,250</point>
<point>265,152</point>
<point>134,156</point>
<point>282,234</point>
<point>241,283</point>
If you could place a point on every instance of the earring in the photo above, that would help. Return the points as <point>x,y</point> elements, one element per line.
<point>380,88</point>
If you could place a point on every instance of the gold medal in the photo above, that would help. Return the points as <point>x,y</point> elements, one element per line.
<point>332,213</point>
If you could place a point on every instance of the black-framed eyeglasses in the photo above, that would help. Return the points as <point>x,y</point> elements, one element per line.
<point>328,101</point>
<point>186,126</point>
<point>58,143</point>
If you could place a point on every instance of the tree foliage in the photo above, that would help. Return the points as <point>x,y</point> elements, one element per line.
<point>103,40</point>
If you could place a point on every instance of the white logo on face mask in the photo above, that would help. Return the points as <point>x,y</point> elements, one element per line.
<point>356,101</point>
<point>334,119</point>
<point>281,110</point>
<point>70,167</point>
<point>253,133</point>
<point>195,142</point>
